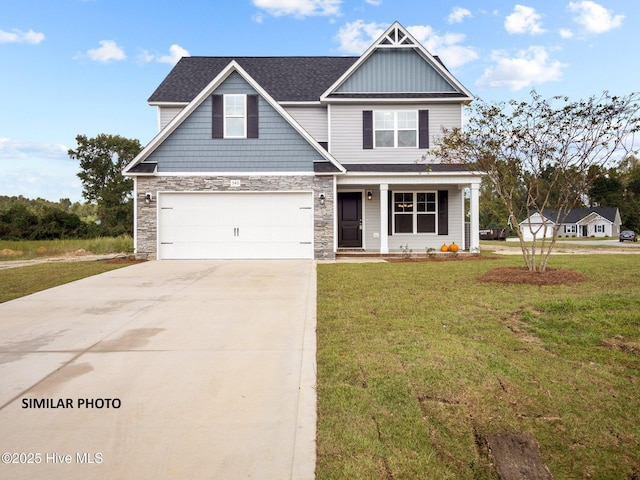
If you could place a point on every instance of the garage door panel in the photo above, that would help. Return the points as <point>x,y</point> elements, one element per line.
<point>235,225</point>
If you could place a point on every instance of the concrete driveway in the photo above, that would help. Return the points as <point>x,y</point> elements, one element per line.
<point>172,369</point>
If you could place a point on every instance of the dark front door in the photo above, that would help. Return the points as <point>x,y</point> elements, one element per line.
<point>350,220</point>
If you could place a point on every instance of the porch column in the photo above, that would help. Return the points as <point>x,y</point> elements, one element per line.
<point>474,234</point>
<point>384,220</point>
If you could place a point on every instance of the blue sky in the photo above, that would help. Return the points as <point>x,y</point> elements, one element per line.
<point>74,67</point>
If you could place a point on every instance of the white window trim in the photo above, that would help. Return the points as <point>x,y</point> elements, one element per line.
<point>395,127</point>
<point>414,213</point>
<point>225,116</point>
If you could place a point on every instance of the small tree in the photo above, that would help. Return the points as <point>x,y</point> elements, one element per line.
<point>546,147</point>
<point>101,162</point>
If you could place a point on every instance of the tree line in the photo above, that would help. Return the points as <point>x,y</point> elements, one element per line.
<point>108,210</point>
<point>614,186</point>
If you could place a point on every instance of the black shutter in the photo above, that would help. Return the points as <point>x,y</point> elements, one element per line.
<point>217,129</point>
<point>443,212</point>
<point>252,116</point>
<point>389,214</point>
<point>367,129</point>
<point>423,128</point>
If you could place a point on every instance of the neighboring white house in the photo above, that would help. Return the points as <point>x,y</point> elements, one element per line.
<point>300,157</point>
<point>579,222</point>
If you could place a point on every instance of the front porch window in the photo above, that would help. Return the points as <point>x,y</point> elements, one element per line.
<point>414,212</point>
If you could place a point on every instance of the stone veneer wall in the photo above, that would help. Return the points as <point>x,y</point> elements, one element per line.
<point>147,213</point>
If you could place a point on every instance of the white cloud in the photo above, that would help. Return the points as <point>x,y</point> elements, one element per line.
<point>176,52</point>
<point>458,14</point>
<point>374,2</point>
<point>523,20</point>
<point>566,33</point>
<point>15,149</point>
<point>528,67</point>
<point>446,46</point>
<point>356,37</point>
<point>18,36</point>
<point>594,17</point>
<point>300,8</point>
<point>107,51</point>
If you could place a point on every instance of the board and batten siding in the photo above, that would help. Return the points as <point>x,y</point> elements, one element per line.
<point>313,120</point>
<point>379,74</point>
<point>166,114</point>
<point>191,148</point>
<point>346,132</point>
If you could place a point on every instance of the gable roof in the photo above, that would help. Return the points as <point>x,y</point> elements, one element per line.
<point>132,167</point>
<point>302,79</point>
<point>286,79</point>
<point>576,214</point>
<point>397,37</point>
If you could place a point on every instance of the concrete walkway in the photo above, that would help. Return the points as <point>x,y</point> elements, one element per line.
<point>172,369</point>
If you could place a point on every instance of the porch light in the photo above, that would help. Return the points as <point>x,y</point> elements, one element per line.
<point>369,195</point>
<point>321,198</point>
<point>148,197</point>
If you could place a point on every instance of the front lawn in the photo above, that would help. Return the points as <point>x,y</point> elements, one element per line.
<point>21,281</point>
<point>419,362</point>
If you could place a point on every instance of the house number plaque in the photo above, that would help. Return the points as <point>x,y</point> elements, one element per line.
<point>235,183</point>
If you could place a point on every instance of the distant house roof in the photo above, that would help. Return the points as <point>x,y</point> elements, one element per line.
<point>576,214</point>
<point>293,79</point>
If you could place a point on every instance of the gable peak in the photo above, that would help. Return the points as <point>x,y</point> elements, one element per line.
<point>396,36</point>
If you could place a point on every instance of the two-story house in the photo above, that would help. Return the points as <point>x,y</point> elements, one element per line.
<point>300,157</point>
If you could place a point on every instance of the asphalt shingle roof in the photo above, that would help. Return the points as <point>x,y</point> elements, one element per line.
<point>294,79</point>
<point>577,214</point>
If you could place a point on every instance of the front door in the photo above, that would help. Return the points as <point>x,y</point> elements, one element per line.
<point>350,220</point>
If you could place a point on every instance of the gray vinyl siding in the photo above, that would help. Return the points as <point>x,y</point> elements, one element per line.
<point>191,148</point>
<point>313,120</point>
<point>379,73</point>
<point>166,114</point>
<point>346,132</point>
<point>417,242</point>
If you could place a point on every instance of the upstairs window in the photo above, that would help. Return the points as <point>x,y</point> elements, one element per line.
<point>235,116</point>
<point>395,129</point>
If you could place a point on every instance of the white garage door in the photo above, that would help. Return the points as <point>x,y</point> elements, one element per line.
<point>235,225</point>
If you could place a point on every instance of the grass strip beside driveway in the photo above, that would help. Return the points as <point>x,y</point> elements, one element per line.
<point>18,282</point>
<point>419,362</point>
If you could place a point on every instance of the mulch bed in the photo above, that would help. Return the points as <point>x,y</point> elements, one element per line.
<point>439,258</point>
<point>521,275</point>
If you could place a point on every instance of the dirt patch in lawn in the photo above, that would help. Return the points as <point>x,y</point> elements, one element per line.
<point>517,456</point>
<point>521,275</point>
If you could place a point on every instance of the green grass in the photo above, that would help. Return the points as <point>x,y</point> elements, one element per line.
<point>418,362</point>
<point>21,281</point>
<point>47,248</point>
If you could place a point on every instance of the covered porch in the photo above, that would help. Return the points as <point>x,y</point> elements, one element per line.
<point>393,212</point>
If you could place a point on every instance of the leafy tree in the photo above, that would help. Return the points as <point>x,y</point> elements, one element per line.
<point>547,147</point>
<point>101,162</point>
